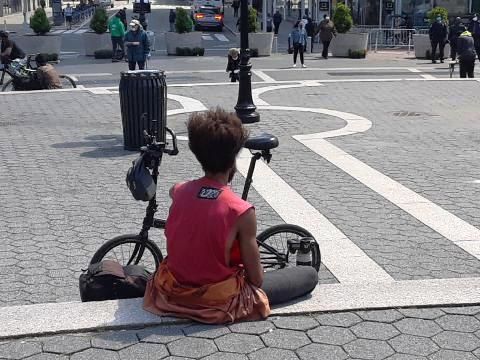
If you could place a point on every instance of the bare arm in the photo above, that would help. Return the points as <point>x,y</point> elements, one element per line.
<point>247,232</point>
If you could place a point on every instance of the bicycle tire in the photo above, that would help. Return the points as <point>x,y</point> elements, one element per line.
<point>69,80</point>
<point>286,229</point>
<point>7,84</point>
<point>151,264</point>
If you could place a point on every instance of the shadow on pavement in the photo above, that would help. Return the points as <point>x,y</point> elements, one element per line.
<point>107,146</point>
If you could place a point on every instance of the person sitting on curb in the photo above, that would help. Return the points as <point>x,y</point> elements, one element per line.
<point>212,273</point>
<point>47,76</point>
<point>233,64</point>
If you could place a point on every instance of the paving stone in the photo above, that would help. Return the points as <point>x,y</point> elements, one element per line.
<point>144,351</point>
<point>206,331</point>
<point>406,357</point>
<point>192,347</point>
<point>462,323</point>
<point>161,334</point>
<point>295,322</point>
<point>462,310</point>
<point>321,351</point>
<point>387,316</point>
<point>331,335</point>
<point>452,355</point>
<point>457,341</point>
<point>66,344</point>
<point>285,339</point>
<point>368,349</point>
<point>176,358</point>
<point>226,356</point>
<point>47,356</point>
<point>239,343</point>
<point>252,327</point>
<point>420,327</point>
<point>273,354</point>
<point>374,330</point>
<point>345,319</point>
<point>413,345</point>
<point>115,340</point>
<point>91,354</point>
<point>19,349</point>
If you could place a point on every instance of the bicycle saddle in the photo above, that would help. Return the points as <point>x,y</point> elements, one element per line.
<point>262,141</point>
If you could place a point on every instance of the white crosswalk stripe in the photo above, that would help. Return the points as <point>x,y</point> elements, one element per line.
<point>221,37</point>
<point>207,37</point>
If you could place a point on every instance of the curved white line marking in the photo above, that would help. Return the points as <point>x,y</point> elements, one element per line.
<point>189,105</point>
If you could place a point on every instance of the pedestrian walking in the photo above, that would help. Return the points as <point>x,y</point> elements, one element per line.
<point>299,8</point>
<point>438,37</point>
<point>277,20</point>
<point>298,39</point>
<point>310,29</point>
<point>466,54</point>
<point>68,11</point>
<point>123,17</point>
<point>235,6</point>
<point>327,32</point>
<point>171,19</point>
<point>454,32</point>
<point>117,33</point>
<point>138,47</point>
<point>474,29</point>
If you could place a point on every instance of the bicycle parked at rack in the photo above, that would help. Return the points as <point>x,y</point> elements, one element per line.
<point>280,245</point>
<point>23,76</point>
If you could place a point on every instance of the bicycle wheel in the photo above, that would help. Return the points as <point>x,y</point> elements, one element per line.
<point>276,237</point>
<point>130,250</point>
<point>8,86</point>
<point>67,82</point>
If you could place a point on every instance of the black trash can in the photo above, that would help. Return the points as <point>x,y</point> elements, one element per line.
<point>143,98</point>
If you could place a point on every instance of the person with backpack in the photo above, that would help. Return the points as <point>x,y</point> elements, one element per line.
<point>474,29</point>
<point>454,32</point>
<point>438,37</point>
<point>466,54</point>
<point>298,39</point>
<point>117,33</point>
<point>138,46</point>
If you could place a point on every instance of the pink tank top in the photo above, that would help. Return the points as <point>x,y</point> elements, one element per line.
<point>202,216</point>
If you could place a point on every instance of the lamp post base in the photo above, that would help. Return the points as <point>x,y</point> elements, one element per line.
<point>245,107</point>
<point>248,116</point>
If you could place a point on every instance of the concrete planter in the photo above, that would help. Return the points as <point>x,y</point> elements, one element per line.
<point>342,43</point>
<point>186,40</point>
<point>93,42</point>
<point>262,42</point>
<point>32,44</point>
<point>422,45</point>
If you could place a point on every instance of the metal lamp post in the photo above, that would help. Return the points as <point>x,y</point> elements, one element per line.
<point>245,107</point>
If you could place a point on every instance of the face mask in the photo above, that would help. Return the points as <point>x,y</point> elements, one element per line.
<point>327,18</point>
<point>133,28</point>
<point>439,19</point>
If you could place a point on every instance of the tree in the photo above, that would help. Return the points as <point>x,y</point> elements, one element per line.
<point>39,22</point>
<point>252,20</point>
<point>438,11</point>
<point>99,22</point>
<point>183,22</point>
<point>342,18</point>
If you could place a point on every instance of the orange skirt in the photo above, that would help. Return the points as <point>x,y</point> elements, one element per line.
<point>227,301</point>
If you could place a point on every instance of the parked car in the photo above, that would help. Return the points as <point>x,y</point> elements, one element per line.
<point>208,17</point>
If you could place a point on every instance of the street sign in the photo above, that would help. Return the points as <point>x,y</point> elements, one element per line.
<point>389,5</point>
<point>324,6</point>
<point>140,6</point>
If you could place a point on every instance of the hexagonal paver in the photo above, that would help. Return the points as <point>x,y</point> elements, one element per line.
<point>252,327</point>
<point>427,314</point>
<point>161,334</point>
<point>368,349</point>
<point>47,356</point>
<point>66,344</point>
<point>331,335</point>
<point>295,322</point>
<point>114,340</point>
<point>239,343</point>
<point>413,345</point>
<point>206,331</point>
<point>226,356</point>
<point>457,341</point>
<point>406,357</point>
<point>387,316</point>
<point>452,355</point>
<point>462,310</point>
<point>144,351</point>
<point>374,330</point>
<point>272,354</point>
<point>338,319</point>
<point>285,339</point>
<point>19,349</point>
<point>420,327</point>
<point>321,351</point>
<point>462,323</point>
<point>90,354</point>
<point>192,347</point>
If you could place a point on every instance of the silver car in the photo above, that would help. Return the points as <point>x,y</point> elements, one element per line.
<point>208,17</point>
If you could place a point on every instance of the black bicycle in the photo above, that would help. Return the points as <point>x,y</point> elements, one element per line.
<point>23,76</point>
<point>280,245</point>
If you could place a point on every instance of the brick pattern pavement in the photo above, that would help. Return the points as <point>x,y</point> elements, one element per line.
<point>403,334</point>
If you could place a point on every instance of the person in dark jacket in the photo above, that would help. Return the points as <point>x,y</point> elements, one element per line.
<point>138,47</point>
<point>235,6</point>
<point>466,54</point>
<point>171,19</point>
<point>277,19</point>
<point>233,64</point>
<point>122,13</point>
<point>310,29</point>
<point>474,29</point>
<point>438,37</point>
<point>327,32</point>
<point>454,32</point>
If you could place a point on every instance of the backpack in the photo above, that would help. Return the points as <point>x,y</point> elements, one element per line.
<point>108,280</point>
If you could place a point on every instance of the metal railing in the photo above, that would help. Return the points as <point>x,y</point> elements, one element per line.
<point>82,15</point>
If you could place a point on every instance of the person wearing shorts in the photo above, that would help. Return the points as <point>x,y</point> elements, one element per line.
<point>68,11</point>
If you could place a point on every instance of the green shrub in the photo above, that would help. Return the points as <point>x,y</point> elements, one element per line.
<point>183,22</point>
<point>39,22</point>
<point>103,54</point>
<point>186,51</point>
<point>357,54</point>
<point>342,18</point>
<point>436,12</point>
<point>198,51</point>
<point>99,22</point>
<point>252,20</point>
